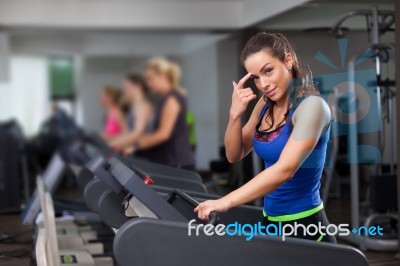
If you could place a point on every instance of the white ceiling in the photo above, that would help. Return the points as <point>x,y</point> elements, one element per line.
<point>169,27</point>
<point>140,14</point>
<point>128,27</point>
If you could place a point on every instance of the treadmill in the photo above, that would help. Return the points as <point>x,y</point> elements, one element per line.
<point>79,151</point>
<point>158,234</point>
<point>74,152</point>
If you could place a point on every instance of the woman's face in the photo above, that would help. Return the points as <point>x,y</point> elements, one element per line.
<point>130,90</point>
<point>104,99</point>
<point>271,76</point>
<point>155,81</point>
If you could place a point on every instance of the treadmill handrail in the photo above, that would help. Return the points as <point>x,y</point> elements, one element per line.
<point>213,217</point>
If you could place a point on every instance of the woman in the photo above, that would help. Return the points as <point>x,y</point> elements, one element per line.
<point>114,124</point>
<point>288,129</point>
<point>168,143</point>
<point>139,115</point>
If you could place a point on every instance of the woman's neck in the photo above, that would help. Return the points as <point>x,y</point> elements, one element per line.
<point>282,104</point>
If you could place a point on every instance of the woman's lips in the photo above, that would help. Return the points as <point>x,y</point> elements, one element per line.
<point>270,93</point>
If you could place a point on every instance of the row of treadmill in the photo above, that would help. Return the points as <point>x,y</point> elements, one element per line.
<point>135,212</point>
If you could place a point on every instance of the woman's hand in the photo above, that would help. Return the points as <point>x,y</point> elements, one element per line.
<point>120,144</point>
<point>116,145</point>
<point>128,151</point>
<point>203,209</point>
<point>241,97</point>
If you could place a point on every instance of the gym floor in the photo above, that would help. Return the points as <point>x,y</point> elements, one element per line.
<point>16,251</point>
<point>21,247</point>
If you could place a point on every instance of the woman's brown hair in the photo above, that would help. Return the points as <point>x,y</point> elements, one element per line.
<point>114,93</point>
<point>301,84</point>
<point>137,79</point>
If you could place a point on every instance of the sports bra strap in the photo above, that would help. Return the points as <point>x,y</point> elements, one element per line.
<point>263,110</point>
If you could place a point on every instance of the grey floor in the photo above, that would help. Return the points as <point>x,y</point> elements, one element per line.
<point>338,211</point>
<point>16,251</point>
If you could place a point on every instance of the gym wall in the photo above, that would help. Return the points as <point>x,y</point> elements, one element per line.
<point>207,74</point>
<point>4,57</point>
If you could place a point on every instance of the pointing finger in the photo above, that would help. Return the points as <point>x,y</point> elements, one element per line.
<point>243,80</point>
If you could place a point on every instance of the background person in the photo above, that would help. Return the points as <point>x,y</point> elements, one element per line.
<point>168,143</point>
<point>139,116</point>
<point>110,98</point>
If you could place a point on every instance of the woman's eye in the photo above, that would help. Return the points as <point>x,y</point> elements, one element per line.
<point>268,71</point>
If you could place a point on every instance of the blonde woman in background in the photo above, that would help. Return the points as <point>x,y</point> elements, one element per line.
<point>168,143</point>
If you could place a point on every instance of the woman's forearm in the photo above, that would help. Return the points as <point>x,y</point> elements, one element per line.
<point>124,141</point>
<point>234,140</point>
<point>261,185</point>
<point>151,140</point>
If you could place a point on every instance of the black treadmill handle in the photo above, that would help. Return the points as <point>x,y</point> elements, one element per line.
<point>185,197</point>
<point>213,217</point>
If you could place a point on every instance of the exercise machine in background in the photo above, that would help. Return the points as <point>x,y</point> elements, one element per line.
<point>381,196</point>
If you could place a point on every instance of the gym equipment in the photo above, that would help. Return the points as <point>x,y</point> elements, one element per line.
<point>332,152</point>
<point>66,241</point>
<point>77,150</point>
<point>52,177</point>
<point>9,171</point>
<point>108,201</point>
<point>171,214</point>
<point>157,240</point>
<point>146,166</point>
<point>138,241</point>
<point>47,239</point>
<point>109,204</point>
<point>15,132</point>
<point>378,22</point>
<point>81,150</point>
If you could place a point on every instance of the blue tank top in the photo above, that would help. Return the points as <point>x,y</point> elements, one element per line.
<point>301,192</point>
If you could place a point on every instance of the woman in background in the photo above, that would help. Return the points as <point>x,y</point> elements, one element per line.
<point>169,142</point>
<point>114,123</point>
<point>139,115</point>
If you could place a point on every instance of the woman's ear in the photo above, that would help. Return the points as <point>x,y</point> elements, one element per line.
<point>289,61</point>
